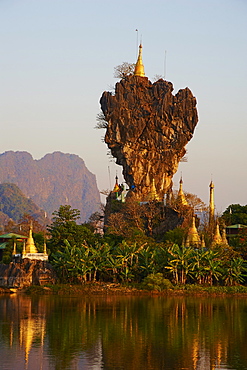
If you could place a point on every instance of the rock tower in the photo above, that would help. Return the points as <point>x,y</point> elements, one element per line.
<point>148,129</point>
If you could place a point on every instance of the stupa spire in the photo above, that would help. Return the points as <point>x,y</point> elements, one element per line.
<point>116,186</point>
<point>223,237</point>
<point>181,197</point>
<point>217,240</point>
<point>211,203</point>
<point>153,193</point>
<point>139,67</point>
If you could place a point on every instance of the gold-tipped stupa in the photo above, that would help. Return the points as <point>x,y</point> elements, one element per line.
<point>30,246</point>
<point>139,67</point>
<point>153,193</point>
<point>181,197</point>
<point>193,238</point>
<point>30,251</point>
<point>217,239</point>
<point>211,203</point>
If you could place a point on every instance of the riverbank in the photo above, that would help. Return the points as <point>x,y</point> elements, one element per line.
<point>99,288</point>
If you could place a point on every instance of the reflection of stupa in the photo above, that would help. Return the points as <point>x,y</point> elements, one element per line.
<point>30,251</point>
<point>32,328</point>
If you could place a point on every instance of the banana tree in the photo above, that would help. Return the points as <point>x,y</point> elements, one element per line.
<point>234,271</point>
<point>180,262</point>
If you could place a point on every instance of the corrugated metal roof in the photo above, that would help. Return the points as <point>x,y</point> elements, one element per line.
<point>12,235</point>
<point>237,226</point>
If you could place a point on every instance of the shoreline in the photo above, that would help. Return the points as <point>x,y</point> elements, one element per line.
<point>104,289</point>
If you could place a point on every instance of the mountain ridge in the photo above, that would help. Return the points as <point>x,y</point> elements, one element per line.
<point>55,179</point>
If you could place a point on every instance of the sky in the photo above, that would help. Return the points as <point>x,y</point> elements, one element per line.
<point>58,57</point>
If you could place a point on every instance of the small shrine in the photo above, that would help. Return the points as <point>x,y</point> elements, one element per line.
<point>30,251</point>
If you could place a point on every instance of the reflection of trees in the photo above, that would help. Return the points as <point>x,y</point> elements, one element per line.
<point>128,332</point>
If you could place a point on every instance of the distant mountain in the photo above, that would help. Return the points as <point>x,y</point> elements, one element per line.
<point>14,204</point>
<point>54,180</point>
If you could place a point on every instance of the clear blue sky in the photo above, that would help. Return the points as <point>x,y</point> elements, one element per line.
<point>57,58</point>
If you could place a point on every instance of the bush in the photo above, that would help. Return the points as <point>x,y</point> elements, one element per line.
<point>156,282</point>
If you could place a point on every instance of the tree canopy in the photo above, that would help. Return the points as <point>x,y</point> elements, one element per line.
<point>235,214</point>
<point>124,69</point>
<point>64,228</point>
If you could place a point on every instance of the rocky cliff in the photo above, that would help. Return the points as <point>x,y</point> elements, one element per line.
<point>147,131</point>
<point>54,180</point>
<point>26,273</point>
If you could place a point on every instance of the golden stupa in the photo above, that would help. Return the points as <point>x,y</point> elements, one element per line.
<point>30,251</point>
<point>193,238</point>
<point>30,246</point>
<point>181,197</point>
<point>139,67</point>
<point>153,193</point>
<point>211,203</point>
<point>217,240</point>
<point>223,237</point>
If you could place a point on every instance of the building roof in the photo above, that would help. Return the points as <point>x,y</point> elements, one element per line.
<point>237,226</point>
<point>12,235</point>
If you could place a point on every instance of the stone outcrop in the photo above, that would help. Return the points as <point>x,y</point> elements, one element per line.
<point>147,131</point>
<point>54,180</point>
<point>26,273</point>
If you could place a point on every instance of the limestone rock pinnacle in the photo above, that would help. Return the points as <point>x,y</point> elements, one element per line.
<point>148,129</point>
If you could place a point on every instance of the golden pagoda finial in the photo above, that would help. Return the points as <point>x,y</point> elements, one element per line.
<point>30,246</point>
<point>116,186</point>
<point>181,197</point>
<point>139,67</point>
<point>193,236</point>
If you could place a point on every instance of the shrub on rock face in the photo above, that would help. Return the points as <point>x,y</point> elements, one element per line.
<point>156,282</point>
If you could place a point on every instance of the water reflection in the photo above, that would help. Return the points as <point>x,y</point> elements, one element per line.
<point>112,332</point>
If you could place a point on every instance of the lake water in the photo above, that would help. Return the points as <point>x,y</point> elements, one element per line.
<point>120,332</point>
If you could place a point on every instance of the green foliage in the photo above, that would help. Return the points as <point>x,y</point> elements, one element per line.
<point>64,227</point>
<point>235,214</point>
<point>14,204</point>
<point>71,263</point>
<point>80,256</point>
<point>239,243</point>
<point>175,236</point>
<point>156,282</point>
<point>7,252</point>
<point>39,241</point>
<point>129,262</point>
